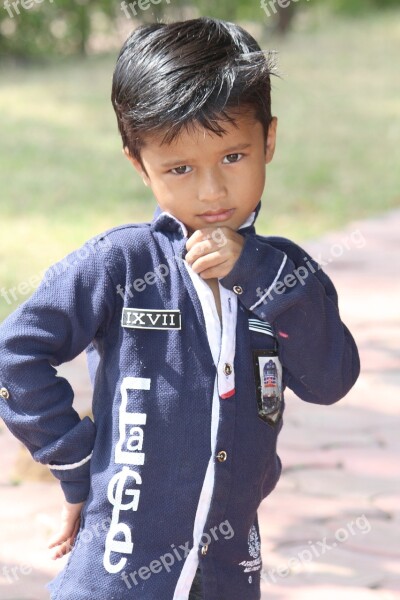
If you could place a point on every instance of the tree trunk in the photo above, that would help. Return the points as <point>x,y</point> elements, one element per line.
<point>285,18</point>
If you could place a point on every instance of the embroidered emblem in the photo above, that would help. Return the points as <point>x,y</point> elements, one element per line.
<point>254,547</point>
<point>268,376</point>
<point>254,542</point>
<point>138,318</point>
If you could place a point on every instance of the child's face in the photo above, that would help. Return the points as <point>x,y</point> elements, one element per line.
<point>201,173</point>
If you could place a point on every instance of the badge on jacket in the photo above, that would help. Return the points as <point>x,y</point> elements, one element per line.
<point>140,318</point>
<point>268,376</point>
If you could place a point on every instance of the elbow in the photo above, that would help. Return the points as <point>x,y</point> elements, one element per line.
<point>338,386</point>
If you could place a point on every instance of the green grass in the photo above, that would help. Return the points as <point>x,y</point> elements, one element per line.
<point>64,178</point>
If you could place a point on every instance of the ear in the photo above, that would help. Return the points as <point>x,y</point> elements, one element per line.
<point>137,166</point>
<point>271,140</point>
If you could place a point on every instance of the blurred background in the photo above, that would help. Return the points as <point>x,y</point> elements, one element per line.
<point>334,183</point>
<point>63,177</point>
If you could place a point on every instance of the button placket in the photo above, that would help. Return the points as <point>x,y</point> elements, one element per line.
<point>226,373</point>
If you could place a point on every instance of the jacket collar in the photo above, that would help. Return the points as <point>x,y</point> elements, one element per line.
<point>165,221</point>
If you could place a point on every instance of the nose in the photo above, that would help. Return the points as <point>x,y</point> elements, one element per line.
<point>211,186</point>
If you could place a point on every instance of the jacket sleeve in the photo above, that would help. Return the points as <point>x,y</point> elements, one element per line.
<point>73,304</point>
<point>280,283</point>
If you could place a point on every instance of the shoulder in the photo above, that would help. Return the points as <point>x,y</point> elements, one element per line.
<point>121,233</point>
<point>108,251</point>
<point>304,263</point>
<point>293,250</point>
<point>114,246</point>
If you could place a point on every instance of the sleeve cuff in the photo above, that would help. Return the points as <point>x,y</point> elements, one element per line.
<point>76,491</point>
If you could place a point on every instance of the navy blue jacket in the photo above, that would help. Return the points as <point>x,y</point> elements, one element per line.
<point>182,448</point>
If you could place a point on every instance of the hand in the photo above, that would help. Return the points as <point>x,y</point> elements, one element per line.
<point>70,522</point>
<point>212,252</point>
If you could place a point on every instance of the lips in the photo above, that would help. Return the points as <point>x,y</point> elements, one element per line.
<point>212,216</point>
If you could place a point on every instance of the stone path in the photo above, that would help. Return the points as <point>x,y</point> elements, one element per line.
<point>334,518</point>
<point>331,528</point>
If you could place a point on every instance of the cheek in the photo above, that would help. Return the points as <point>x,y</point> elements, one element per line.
<point>259,174</point>
<point>163,191</point>
<point>252,181</point>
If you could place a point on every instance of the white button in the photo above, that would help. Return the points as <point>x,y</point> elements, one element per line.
<point>204,549</point>
<point>4,393</point>
<point>238,289</point>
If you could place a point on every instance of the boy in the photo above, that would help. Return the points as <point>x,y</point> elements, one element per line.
<point>193,326</point>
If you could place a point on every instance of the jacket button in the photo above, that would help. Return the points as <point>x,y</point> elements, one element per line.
<point>4,393</point>
<point>222,455</point>
<point>228,369</point>
<point>204,549</point>
<point>238,289</point>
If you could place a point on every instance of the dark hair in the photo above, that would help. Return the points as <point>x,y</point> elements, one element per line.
<point>200,71</point>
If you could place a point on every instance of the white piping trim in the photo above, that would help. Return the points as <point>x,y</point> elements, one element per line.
<point>248,221</point>
<point>259,330</point>
<point>71,466</point>
<point>272,284</point>
<point>259,323</point>
<point>258,326</point>
<point>183,226</point>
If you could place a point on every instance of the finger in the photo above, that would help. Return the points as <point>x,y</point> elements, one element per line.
<point>65,545</point>
<point>63,549</point>
<point>215,272</point>
<point>56,540</point>
<point>194,238</point>
<point>209,261</point>
<point>199,249</point>
<point>204,233</point>
<point>67,531</point>
<point>61,536</point>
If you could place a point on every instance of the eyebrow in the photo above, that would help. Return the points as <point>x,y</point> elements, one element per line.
<point>186,161</point>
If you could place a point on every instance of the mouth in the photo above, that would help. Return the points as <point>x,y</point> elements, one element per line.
<point>213,216</point>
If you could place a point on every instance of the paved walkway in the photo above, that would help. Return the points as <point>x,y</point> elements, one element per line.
<point>331,528</point>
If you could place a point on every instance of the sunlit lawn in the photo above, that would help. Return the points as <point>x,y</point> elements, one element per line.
<point>64,179</point>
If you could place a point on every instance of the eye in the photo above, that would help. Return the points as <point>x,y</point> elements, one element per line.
<point>178,171</point>
<point>234,157</point>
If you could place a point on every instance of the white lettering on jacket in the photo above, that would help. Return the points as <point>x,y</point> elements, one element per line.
<point>128,451</point>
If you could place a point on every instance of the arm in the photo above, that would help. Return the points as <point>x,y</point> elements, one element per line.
<point>280,283</point>
<point>73,304</point>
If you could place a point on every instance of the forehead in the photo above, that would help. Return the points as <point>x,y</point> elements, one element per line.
<point>194,134</point>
